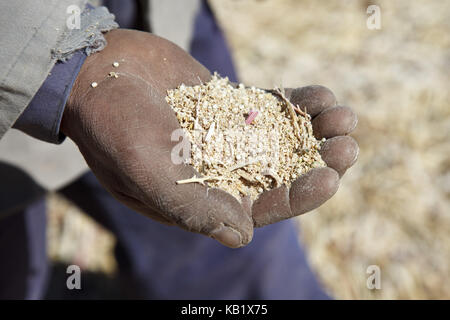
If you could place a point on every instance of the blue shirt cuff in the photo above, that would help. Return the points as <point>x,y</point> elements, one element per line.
<point>42,117</point>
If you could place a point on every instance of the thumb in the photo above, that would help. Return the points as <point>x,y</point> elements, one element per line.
<point>197,208</point>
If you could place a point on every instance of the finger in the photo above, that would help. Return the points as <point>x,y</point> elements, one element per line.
<point>197,208</point>
<point>271,206</point>
<point>312,99</point>
<point>138,206</point>
<point>340,153</point>
<point>312,189</point>
<point>307,192</point>
<point>334,121</point>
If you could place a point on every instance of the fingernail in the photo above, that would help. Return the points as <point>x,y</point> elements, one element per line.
<point>227,236</point>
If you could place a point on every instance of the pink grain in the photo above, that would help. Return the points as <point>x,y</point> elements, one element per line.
<point>251,116</point>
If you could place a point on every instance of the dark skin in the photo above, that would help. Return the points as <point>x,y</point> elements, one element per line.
<point>123,128</point>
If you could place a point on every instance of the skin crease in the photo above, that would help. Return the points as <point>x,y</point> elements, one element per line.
<point>123,127</point>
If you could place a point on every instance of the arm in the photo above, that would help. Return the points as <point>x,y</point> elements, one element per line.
<point>123,127</point>
<point>29,29</point>
<point>34,36</point>
<point>42,118</point>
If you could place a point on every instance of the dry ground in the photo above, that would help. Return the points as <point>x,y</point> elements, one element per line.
<point>393,207</point>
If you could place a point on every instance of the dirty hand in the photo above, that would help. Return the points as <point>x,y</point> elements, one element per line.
<point>123,128</point>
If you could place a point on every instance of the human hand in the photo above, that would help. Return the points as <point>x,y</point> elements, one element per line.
<point>123,129</point>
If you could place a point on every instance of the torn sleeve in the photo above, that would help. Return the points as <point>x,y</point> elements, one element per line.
<point>42,117</point>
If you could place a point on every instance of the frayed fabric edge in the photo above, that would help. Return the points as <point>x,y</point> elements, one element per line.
<point>93,22</point>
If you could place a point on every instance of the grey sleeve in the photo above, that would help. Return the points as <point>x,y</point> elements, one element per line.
<point>33,36</point>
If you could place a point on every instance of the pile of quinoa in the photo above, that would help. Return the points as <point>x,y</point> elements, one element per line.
<point>244,140</point>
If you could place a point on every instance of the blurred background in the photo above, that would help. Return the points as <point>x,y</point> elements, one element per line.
<point>393,207</point>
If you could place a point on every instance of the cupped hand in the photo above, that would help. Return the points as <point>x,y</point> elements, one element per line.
<point>123,126</point>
